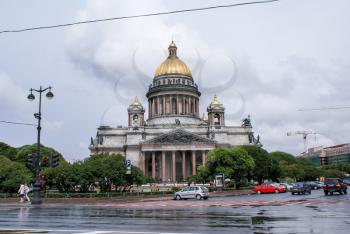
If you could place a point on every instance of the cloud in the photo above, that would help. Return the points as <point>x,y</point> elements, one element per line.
<point>271,83</point>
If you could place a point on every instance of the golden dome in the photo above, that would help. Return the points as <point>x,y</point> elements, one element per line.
<point>173,65</point>
<point>215,101</point>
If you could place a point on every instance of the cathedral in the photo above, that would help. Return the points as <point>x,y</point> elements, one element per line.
<point>173,140</point>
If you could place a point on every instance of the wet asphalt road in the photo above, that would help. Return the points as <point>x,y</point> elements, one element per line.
<point>268,213</point>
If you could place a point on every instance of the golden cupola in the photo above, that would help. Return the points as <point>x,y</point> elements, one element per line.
<point>173,65</point>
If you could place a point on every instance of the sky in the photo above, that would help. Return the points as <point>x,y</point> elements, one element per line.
<point>267,61</point>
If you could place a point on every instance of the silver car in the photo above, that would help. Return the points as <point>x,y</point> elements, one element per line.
<point>197,192</point>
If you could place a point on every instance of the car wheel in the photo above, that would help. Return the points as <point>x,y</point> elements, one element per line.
<point>303,193</point>
<point>276,191</point>
<point>309,192</point>
<point>331,193</point>
<point>326,193</point>
<point>258,192</point>
<point>178,197</point>
<point>198,197</point>
<point>345,191</point>
<point>292,193</point>
<point>340,192</point>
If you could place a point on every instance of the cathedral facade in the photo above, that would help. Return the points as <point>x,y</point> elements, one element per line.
<point>173,141</point>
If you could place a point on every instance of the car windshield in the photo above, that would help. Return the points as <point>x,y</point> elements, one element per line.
<point>299,184</point>
<point>331,181</point>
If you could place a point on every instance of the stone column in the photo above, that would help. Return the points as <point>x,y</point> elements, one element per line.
<point>163,166</point>
<point>177,105</point>
<point>164,105</point>
<point>203,157</point>
<point>189,104</point>
<point>173,164</point>
<point>193,162</point>
<point>158,102</point>
<point>154,165</point>
<point>143,163</point>
<point>183,164</point>
<point>149,109</point>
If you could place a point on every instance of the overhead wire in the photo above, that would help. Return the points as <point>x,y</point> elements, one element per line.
<point>136,16</point>
<point>325,108</point>
<point>17,123</point>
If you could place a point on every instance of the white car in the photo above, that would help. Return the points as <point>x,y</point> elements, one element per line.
<point>197,192</point>
<point>287,186</point>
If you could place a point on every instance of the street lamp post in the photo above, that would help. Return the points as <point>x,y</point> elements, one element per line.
<point>37,198</point>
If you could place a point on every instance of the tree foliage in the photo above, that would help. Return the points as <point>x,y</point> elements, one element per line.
<point>8,151</point>
<point>234,163</point>
<point>100,170</point>
<point>265,166</point>
<point>12,174</point>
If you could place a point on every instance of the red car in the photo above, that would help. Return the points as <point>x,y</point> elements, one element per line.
<point>269,188</point>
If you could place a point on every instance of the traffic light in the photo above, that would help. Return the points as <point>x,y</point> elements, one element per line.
<point>55,159</point>
<point>31,161</point>
<point>46,161</point>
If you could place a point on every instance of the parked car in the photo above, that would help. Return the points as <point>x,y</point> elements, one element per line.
<point>197,192</point>
<point>314,185</point>
<point>332,185</point>
<point>300,188</point>
<point>269,188</point>
<point>286,185</point>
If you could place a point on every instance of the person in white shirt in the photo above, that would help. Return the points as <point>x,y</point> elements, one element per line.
<point>26,191</point>
<point>21,192</point>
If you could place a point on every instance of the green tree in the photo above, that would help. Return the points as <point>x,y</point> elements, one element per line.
<point>333,173</point>
<point>279,156</point>
<point>23,152</point>
<point>265,167</point>
<point>64,177</point>
<point>8,151</point>
<point>234,163</point>
<point>12,174</point>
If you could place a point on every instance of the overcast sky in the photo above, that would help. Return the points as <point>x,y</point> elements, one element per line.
<point>264,60</point>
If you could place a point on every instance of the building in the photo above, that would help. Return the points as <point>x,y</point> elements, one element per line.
<point>174,140</point>
<point>336,154</point>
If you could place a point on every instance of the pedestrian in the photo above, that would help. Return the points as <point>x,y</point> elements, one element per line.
<point>21,192</point>
<point>26,191</point>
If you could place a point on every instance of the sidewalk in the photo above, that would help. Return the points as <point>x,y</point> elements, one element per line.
<point>161,197</point>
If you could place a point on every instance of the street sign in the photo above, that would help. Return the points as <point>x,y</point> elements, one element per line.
<point>128,163</point>
<point>128,166</point>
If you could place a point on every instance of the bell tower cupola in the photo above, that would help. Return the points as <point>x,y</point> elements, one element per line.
<point>136,114</point>
<point>216,113</point>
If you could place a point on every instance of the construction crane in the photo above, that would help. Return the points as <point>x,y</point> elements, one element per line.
<point>304,134</point>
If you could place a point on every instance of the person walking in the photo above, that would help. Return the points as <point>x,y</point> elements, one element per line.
<point>21,192</point>
<point>26,191</point>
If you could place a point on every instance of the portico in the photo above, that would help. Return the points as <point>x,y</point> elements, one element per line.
<point>174,156</point>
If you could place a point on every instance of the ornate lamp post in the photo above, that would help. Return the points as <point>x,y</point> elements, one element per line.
<point>37,184</point>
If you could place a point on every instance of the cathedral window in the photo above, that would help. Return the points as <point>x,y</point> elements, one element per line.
<point>216,119</point>
<point>173,106</point>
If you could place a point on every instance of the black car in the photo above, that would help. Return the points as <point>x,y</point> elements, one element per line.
<point>300,188</point>
<point>314,185</point>
<point>332,185</point>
